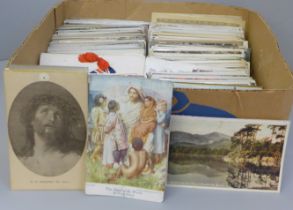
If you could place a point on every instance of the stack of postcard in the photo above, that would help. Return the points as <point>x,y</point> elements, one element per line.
<point>199,51</point>
<point>127,153</point>
<point>102,45</point>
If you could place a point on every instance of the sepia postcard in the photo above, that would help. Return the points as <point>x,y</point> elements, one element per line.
<point>127,153</point>
<point>46,127</point>
<point>239,154</point>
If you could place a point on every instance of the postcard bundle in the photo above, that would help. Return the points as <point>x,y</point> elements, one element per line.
<point>193,51</point>
<point>102,45</point>
<point>199,51</point>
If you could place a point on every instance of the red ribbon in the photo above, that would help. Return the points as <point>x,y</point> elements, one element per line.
<point>90,57</point>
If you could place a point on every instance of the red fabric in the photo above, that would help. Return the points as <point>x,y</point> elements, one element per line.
<point>103,64</point>
<point>90,57</point>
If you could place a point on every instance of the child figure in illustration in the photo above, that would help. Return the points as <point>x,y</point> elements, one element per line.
<point>121,141</point>
<point>138,160</point>
<point>115,141</point>
<point>98,117</point>
<point>159,134</point>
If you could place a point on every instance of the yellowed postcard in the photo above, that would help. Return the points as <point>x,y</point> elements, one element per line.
<point>205,19</point>
<point>47,127</point>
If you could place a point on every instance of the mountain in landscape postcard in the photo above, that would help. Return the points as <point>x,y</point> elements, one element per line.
<point>226,153</point>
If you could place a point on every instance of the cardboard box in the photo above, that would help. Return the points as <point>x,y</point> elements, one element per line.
<point>268,66</point>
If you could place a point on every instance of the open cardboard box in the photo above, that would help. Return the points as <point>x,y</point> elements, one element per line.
<point>268,66</point>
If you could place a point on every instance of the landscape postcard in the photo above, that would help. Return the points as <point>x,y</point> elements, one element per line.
<point>227,153</point>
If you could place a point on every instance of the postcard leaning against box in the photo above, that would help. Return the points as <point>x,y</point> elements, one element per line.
<point>127,151</point>
<point>47,111</point>
<point>240,154</point>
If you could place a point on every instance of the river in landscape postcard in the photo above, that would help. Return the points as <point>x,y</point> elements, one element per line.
<point>226,153</point>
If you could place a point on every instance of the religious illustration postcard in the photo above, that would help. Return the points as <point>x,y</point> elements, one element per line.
<point>239,154</point>
<point>127,150</point>
<point>46,118</point>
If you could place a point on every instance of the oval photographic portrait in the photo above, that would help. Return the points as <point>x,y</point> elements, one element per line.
<point>47,129</point>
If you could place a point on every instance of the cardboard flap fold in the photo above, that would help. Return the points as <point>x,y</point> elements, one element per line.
<point>269,67</point>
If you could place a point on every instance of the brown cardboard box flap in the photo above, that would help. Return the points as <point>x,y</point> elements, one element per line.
<point>266,104</point>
